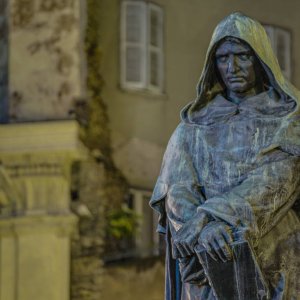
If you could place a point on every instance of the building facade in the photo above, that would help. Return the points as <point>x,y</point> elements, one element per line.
<point>161,46</point>
<point>152,53</point>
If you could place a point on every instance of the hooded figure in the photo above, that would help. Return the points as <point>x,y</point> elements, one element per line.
<point>237,164</point>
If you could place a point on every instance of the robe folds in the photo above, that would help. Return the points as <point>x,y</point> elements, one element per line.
<point>236,165</point>
<point>241,165</point>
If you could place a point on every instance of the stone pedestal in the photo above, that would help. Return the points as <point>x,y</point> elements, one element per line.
<point>35,220</point>
<point>34,257</point>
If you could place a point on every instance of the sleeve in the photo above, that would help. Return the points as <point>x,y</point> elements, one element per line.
<point>288,137</point>
<point>258,203</point>
<point>177,193</point>
<point>176,197</point>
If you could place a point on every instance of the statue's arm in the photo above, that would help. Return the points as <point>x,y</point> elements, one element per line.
<point>185,221</point>
<point>177,193</point>
<point>260,201</point>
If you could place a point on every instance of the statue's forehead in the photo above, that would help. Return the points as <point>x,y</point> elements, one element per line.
<point>232,46</point>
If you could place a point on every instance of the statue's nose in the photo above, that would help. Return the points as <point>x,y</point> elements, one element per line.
<point>232,64</point>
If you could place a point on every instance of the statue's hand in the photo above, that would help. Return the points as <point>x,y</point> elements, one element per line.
<point>187,237</point>
<point>215,237</point>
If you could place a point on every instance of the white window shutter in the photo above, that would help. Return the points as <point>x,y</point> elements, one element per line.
<point>133,44</point>
<point>155,48</point>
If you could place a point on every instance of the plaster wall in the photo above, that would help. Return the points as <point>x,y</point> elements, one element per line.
<point>45,58</point>
<point>141,122</point>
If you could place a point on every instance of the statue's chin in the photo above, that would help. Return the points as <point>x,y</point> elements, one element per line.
<point>239,88</point>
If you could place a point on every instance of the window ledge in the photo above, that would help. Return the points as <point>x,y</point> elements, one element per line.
<point>145,93</point>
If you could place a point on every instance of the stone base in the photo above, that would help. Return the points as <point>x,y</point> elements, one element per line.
<point>35,257</point>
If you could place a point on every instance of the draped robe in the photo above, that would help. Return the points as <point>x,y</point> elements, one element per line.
<point>240,164</point>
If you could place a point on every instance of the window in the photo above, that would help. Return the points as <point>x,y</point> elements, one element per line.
<point>141,46</point>
<point>147,241</point>
<point>281,43</point>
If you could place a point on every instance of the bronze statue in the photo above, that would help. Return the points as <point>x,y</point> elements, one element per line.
<point>230,176</point>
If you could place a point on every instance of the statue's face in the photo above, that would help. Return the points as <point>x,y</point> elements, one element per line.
<point>235,62</point>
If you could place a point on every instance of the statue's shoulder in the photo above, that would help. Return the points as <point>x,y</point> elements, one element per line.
<point>182,139</point>
<point>183,131</point>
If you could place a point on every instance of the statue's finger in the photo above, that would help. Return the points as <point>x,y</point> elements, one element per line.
<point>177,246</point>
<point>175,251</point>
<point>187,248</point>
<point>219,252</point>
<point>181,249</point>
<point>206,236</point>
<point>227,251</point>
<point>224,248</point>
<point>226,232</point>
<point>210,251</point>
<point>191,242</point>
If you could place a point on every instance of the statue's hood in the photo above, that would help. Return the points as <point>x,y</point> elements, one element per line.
<point>252,32</point>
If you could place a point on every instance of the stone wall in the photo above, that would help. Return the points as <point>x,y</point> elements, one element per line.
<point>45,60</point>
<point>35,219</point>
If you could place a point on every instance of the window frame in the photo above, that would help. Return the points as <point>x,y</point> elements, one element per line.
<point>273,32</point>
<point>146,48</point>
<point>141,206</point>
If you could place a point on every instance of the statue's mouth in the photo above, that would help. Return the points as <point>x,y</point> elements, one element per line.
<point>236,79</point>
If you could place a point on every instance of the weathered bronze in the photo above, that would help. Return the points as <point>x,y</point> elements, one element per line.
<point>230,176</point>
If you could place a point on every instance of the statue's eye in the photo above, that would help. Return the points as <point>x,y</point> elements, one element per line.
<point>222,58</point>
<point>244,57</point>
